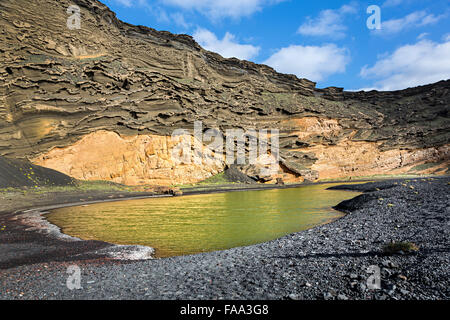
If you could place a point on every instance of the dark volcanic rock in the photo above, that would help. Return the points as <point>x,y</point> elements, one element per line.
<point>17,173</point>
<point>367,187</point>
<point>331,261</point>
<point>233,174</point>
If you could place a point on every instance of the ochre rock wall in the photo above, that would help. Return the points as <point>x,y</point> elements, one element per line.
<point>131,160</point>
<point>147,159</point>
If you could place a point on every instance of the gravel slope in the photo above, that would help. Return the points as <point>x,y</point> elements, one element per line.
<point>19,173</point>
<point>327,262</point>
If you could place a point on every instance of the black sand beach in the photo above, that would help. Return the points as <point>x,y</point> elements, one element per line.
<point>326,262</point>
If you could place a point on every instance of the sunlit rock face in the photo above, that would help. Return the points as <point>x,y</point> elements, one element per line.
<point>131,160</point>
<point>94,102</point>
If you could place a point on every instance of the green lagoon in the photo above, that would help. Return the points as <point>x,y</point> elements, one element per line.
<point>201,223</point>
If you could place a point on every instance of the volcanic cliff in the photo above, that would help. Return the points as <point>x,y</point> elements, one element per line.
<point>102,101</point>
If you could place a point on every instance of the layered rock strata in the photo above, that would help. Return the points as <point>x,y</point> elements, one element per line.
<point>102,101</point>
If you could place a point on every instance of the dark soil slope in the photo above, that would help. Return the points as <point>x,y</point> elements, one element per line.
<point>18,173</point>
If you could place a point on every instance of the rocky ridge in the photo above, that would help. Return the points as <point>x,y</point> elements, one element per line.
<point>62,91</point>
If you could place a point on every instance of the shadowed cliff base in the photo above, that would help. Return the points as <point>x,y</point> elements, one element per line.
<point>17,173</point>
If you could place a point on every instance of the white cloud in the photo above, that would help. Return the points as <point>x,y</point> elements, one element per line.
<point>362,89</point>
<point>446,37</point>
<point>328,23</point>
<point>392,3</point>
<point>227,47</point>
<point>312,62</point>
<point>415,19</point>
<point>178,19</point>
<point>222,8</point>
<point>423,35</point>
<point>132,3</point>
<point>161,15</point>
<point>411,65</point>
<point>126,3</point>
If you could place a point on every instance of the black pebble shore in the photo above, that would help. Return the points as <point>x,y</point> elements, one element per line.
<point>326,262</point>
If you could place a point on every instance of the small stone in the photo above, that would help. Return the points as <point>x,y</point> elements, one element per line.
<point>404,292</point>
<point>390,288</point>
<point>386,272</point>
<point>342,297</point>
<point>293,296</point>
<point>386,263</point>
<point>328,296</point>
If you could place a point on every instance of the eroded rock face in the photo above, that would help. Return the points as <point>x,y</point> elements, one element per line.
<point>133,86</point>
<point>131,160</point>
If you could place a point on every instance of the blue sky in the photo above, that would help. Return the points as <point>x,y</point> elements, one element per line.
<point>325,41</point>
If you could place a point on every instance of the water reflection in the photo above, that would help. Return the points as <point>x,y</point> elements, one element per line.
<point>201,223</point>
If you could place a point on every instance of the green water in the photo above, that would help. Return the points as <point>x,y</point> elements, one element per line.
<point>201,223</point>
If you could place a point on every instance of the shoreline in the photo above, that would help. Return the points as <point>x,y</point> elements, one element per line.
<point>34,220</point>
<point>244,256</point>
